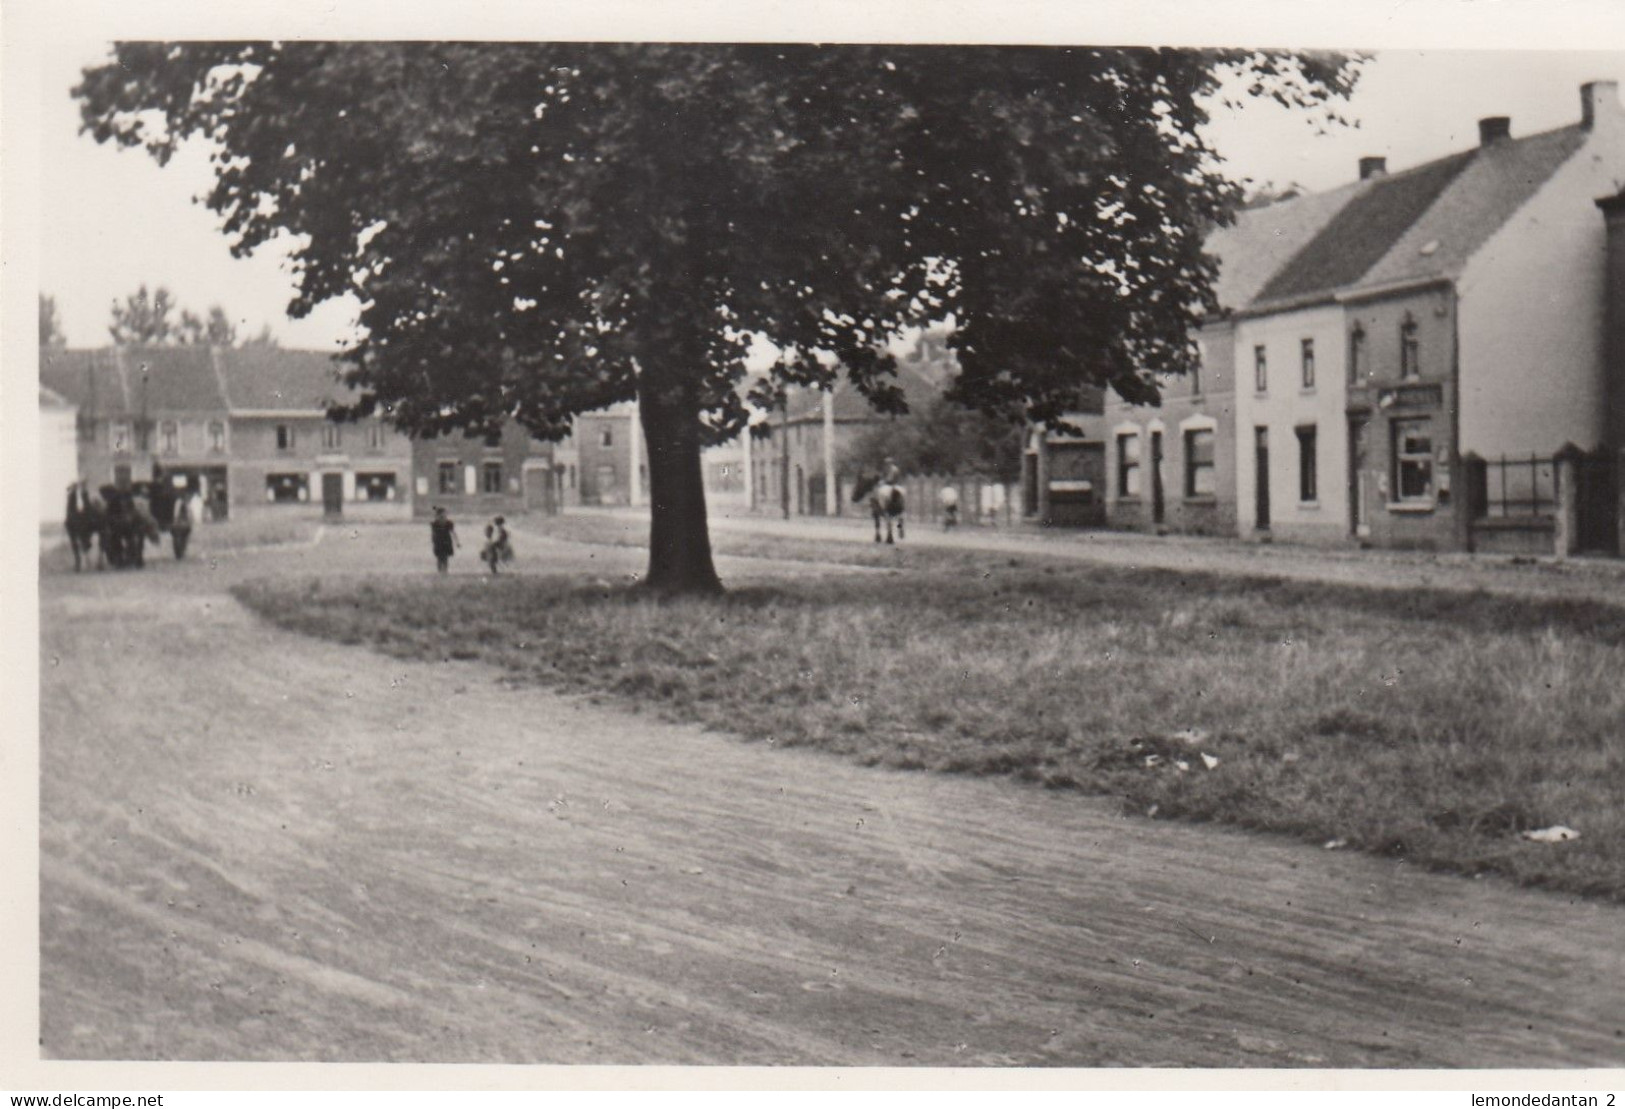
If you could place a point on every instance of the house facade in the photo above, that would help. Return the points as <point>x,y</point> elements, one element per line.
<point>472,475</point>
<point>1410,371</point>
<point>244,427</point>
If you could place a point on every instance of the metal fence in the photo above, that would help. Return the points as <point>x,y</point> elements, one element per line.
<point>1513,488</point>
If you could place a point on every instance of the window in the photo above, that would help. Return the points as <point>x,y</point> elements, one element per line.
<point>448,478</point>
<point>170,434</point>
<point>287,488</point>
<point>1199,463</point>
<point>1358,369</point>
<point>375,437</point>
<point>1308,363</point>
<point>1261,369</point>
<point>572,476</point>
<point>121,435</point>
<point>1128,465</point>
<point>217,436</point>
<point>332,436</point>
<point>143,435</point>
<point>1196,376</point>
<point>606,437</point>
<point>284,437</point>
<point>1410,365</point>
<point>1413,460</point>
<point>1308,483</point>
<point>375,487</point>
<point>491,477</point>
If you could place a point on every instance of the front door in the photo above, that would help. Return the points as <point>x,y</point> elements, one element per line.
<point>1357,459</point>
<point>1261,468</point>
<point>333,494</point>
<point>1156,477</point>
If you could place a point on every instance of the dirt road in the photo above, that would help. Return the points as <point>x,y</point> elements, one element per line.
<point>262,847</point>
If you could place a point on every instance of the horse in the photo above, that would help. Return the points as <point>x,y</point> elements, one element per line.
<point>129,526</point>
<point>885,503</point>
<point>85,522</point>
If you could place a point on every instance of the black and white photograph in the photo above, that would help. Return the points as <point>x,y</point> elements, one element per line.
<point>1090,546</point>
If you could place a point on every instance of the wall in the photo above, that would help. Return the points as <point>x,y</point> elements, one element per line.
<point>1205,401</point>
<point>1282,408</point>
<point>515,452</point>
<point>254,457</point>
<point>1386,402</point>
<point>59,461</point>
<point>1532,314</point>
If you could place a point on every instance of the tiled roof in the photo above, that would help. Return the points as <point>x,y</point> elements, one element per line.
<point>118,381</point>
<point>1362,231</point>
<point>1479,201</point>
<point>1263,239</point>
<point>1421,223</point>
<point>273,379</point>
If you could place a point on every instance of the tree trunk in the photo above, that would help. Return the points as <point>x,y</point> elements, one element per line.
<point>679,542</point>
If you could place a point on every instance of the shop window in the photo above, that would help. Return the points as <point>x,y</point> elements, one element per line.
<point>287,488</point>
<point>375,487</point>
<point>1413,461</point>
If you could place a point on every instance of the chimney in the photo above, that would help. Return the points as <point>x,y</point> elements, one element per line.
<point>1373,167</point>
<point>1492,129</point>
<point>1597,100</point>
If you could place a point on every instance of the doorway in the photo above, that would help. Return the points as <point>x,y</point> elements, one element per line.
<point>332,494</point>
<point>1158,509</point>
<point>1261,470</point>
<point>1357,460</point>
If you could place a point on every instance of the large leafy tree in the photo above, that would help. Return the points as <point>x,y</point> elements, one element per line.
<point>538,230</point>
<point>144,318</point>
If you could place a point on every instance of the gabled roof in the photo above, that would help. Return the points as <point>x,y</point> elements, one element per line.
<point>271,379</point>
<point>1496,182</point>
<point>920,378</point>
<point>1263,239</point>
<point>125,381</point>
<point>1361,233</point>
<point>1422,223</point>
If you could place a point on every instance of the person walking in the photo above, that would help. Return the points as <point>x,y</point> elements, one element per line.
<point>180,525</point>
<point>498,548</point>
<point>443,537</point>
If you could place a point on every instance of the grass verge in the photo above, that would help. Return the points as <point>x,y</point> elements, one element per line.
<point>1431,726</point>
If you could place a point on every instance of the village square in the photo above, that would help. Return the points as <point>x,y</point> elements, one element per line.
<point>731,603</point>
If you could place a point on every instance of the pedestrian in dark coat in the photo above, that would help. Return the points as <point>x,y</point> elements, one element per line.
<point>443,537</point>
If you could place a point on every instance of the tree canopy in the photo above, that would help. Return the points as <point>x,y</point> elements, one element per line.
<point>148,319</point>
<point>539,230</point>
<point>50,324</point>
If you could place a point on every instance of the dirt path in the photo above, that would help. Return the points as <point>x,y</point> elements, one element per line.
<point>276,848</point>
<point>1590,578</point>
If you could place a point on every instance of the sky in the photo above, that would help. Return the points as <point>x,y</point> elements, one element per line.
<point>111,220</point>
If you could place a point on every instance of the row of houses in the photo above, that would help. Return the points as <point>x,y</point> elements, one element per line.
<point>247,428</point>
<point>1415,359</point>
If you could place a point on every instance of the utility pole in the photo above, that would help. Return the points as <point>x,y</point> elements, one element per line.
<point>832,493</point>
<point>784,454</point>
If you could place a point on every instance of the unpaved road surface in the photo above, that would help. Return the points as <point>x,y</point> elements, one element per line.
<point>256,846</point>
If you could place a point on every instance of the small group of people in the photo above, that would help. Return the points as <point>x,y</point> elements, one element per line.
<point>445,542</point>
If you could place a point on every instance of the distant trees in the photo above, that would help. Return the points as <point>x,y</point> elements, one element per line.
<point>943,437</point>
<point>50,324</point>
<point>149,319</point>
